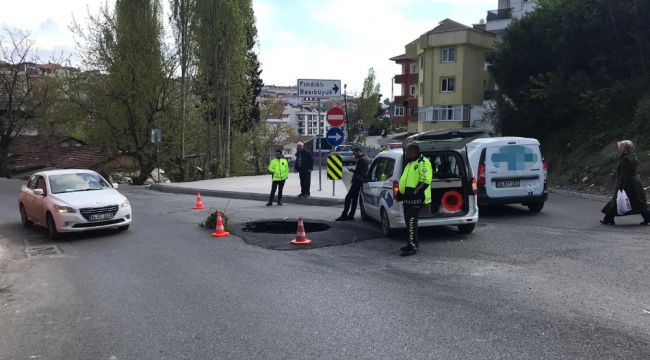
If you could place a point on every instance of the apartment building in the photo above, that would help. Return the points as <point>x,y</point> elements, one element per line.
<point>499,19</point>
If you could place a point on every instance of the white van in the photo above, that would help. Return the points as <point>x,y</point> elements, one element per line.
<point>452,179</point>
<point>509,170</point>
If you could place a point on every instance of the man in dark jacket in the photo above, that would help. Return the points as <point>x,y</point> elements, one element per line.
<point>358,178</point>
<point>628,179</point>
<point>304,165</point>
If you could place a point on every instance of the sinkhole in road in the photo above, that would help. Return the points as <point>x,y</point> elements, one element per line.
<point>282,227</point>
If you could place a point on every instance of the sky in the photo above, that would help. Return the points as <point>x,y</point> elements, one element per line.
<point>308,39</point>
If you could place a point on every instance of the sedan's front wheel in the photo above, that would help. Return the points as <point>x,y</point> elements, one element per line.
<point>52,232</point>
<point>24,218</point>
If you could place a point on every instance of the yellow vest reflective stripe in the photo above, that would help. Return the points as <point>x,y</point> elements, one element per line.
<point>415,172</point>
<point>280,169</point>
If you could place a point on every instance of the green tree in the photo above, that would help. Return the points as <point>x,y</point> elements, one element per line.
<point>367,105</point>
<point>181,17</point>
<point>222,68</point>
<point>574,67</point>
<point>129,93</point>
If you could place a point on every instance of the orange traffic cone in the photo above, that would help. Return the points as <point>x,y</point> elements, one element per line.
<point>199,203</point>
<point>301,237</point>
<point>219,230</point>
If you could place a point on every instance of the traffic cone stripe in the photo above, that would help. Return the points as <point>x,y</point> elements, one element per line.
<point>301,237</point>
<point>199,202</point>
<point>219,230</point>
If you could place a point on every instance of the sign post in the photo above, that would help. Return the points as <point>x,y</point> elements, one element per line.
<point>335,136</point>
<point>334,170</point>
<point>320,150</point>
<point>319,88</point>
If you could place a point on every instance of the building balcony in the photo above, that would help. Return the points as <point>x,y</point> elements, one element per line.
<point>412,100</point>
<point>406,79</point>
<point>499,14</point>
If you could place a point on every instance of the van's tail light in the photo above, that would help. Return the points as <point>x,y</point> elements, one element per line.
<point>395,189</point>
<point>474,186</point>
<point>481,174</point>
<point>545,170</point>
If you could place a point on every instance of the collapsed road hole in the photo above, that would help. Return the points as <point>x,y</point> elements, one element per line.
<point>282,227</point>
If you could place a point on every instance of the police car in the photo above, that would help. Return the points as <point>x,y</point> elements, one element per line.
<point>453,186</point>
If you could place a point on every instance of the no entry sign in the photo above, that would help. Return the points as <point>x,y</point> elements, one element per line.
<point>335,116</point>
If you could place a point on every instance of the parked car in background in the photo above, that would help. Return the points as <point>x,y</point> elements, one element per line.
<point>509,170</point>
<point>346,154</point>
<point>72,201</point>
<point>453,187</point>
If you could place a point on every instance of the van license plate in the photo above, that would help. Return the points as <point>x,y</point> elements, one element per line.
<point>508,184</point>
<point>104,216</point>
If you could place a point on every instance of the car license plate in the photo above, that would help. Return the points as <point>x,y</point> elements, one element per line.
<point>103,216</point>
<point>508,183</point>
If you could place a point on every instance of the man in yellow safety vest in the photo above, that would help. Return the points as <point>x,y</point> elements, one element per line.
<point>414,191</point>
<point>279,168</point>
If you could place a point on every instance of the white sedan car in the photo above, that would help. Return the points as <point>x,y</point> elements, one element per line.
<point>72,201</point>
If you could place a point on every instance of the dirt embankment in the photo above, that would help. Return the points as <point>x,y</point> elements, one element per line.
<point>590,166</point>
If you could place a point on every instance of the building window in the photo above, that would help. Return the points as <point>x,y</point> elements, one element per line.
<point>399,110</point>
<point>442,113</point>
<point>414,111</point>
<point>414,68</point>
<point>447,84</point>
<point>448,55</point>
<point>421,89</point>
<point>412,90</point>
<point>421,63</point>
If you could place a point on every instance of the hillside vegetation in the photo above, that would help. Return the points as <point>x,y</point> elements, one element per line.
<point>576,75</point>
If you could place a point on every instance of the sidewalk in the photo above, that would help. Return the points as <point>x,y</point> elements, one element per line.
<point>259,187</point>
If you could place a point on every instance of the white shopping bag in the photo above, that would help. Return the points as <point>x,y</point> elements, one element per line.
<point>622,203</point>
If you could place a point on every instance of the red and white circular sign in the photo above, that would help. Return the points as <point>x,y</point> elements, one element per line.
<point>335,116</point>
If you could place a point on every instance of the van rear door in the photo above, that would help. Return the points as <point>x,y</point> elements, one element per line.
<point>514,169</point>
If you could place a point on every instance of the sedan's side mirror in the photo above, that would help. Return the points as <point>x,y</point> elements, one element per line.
<point>115,185</point>
<point>39,192</point>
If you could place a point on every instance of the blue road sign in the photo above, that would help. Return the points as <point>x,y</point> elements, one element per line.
<point>335,136</point>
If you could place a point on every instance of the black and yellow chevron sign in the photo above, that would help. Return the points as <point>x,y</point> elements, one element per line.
<point>334,167</point>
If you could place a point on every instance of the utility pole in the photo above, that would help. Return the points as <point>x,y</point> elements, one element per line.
<point>345,101</point>
<point>320,150</point>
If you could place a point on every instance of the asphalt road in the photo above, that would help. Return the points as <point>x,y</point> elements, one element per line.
<point>557,285</point>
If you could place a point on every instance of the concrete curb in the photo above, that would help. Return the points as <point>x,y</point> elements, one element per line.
<point>581,195</point>
<point>311,201</point>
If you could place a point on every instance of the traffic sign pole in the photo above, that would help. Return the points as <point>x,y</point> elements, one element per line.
<point>320,151</point>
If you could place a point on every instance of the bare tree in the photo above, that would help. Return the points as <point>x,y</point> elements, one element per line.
<point>22,93</point>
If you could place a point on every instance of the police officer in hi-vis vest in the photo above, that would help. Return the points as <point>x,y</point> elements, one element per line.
<point>279,168</point>
<point>414,191</point>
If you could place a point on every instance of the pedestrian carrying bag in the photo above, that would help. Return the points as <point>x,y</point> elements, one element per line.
<point>622,203</point>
